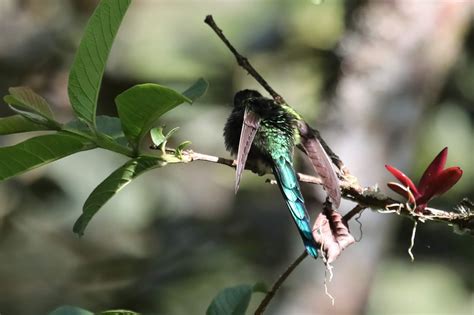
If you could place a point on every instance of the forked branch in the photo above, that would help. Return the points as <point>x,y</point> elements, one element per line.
<point>462,218</point>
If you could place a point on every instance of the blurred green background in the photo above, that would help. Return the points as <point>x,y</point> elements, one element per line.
<point>385,82</point>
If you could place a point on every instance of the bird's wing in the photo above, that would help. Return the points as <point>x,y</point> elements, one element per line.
<point>321,162</point>
<point>249,129</point>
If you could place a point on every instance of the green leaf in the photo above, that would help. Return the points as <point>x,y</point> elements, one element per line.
<point>91,57</point>
<point>70,310</point>
<point>77,124</point>
<point>26,99</point>
<point>38,151</point>
<point>183,145</point>
<point>171,132</point>
<point>196,90</point>
<point>17,124</point>
<point>157,136</point>
<point>111,126</point>
<point>113,184</point>
<point>140,107</point>
<point>231,301</point>
<point>108,125</point>
<point>107,135</point>
<point>180,148</point>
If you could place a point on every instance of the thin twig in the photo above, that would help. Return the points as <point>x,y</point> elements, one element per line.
<point>270,294</point>
<point>365,197</point>
<point>195,156</point>
<point>243,61</point>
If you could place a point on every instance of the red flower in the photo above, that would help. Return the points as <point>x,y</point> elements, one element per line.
<point>435,181</point>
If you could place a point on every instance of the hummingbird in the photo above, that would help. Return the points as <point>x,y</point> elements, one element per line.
<point>265,133</point>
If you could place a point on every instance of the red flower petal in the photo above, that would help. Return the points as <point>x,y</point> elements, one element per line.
<point>402,178</point>
<point>441,183</point>
<point>401,190</point>
<point>433,170</point>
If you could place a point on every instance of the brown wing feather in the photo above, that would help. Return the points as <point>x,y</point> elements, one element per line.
<point>321,162</point>
<point>249,130</point>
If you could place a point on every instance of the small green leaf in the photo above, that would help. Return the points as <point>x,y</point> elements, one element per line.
<point>140,107</point>
<point>196,90</point>
<point>38,151</point>
<point>183,145</point>
<point>231,301</point>
<point>89,64</point>
<point>113,184</point>
<point>26,99</point>
<point>157,136</point>
<point>171,132</point>
<point>70,310</point>
<point>17,124</point>
<point>180,148</point>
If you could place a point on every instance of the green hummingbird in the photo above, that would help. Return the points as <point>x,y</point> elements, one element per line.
<point>266,132</point>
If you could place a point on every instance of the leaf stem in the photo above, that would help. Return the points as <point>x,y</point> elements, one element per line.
<point>103,141</point>
<point>106,142</point>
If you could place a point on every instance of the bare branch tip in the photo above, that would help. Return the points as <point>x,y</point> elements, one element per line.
<point>209,19</point>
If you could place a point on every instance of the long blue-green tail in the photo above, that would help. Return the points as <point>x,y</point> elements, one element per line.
<point>288,183</point>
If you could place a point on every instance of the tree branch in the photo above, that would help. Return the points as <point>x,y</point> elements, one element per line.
<point>245,64</point>
<point>281,279</point>
<point>365,197</point>
<point>243,61</point>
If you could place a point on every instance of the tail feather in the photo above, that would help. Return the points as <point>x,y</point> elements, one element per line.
<point>288,183</point>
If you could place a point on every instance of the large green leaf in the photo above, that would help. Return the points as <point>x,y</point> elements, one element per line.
<point>231,301</point>
<point>196,90</point>
<point>26,99</point>
<point>113,184</point>
<point>70,310</point>
<point>38,151</point>
<point>91,57</point>
<point>140,107</point>
<point>17,124</point>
